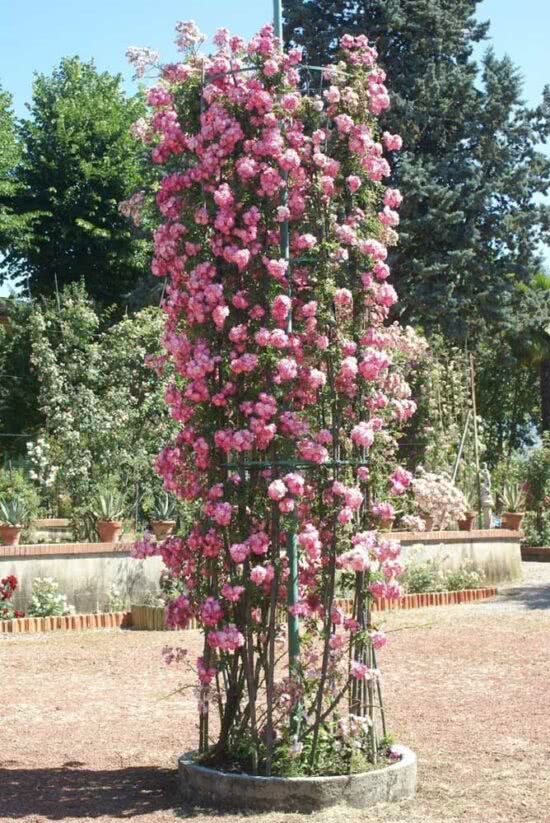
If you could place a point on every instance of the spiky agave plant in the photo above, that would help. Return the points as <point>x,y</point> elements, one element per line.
<point>13,512</point>
<point>164,507</point>
<point>108,505</point>
<point>513,498</point>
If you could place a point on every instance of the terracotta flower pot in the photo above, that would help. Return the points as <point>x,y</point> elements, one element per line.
<point>512,520</point>
<point>10,535</point>
<point>386,523</point>
<point>109,530</point>
<point>429,521</point>
<point>163,528</point>
<point>467,524</point>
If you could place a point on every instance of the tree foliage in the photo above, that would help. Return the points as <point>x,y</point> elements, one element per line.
<point>528,331</point>
<point>19,412</point>
<point>11,224</point>
<point>78,162</point>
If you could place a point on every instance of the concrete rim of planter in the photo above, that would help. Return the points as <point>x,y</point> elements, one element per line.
<point>210,787</point>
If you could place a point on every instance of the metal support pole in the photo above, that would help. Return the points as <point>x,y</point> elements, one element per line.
<point>278,19</point>
<point>291,542</point>
<point>461,445</point>
<point>292,598</point>
<point>476,440</point>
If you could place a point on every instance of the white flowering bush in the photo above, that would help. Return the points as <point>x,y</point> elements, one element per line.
<point>117,601</point>
<point>47,600</point>
<point>101,398</point>
<point>438,498</point>
<point>413,523</point>
<point>43,471</point>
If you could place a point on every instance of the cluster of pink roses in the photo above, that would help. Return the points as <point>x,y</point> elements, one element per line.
<point>283,366</point>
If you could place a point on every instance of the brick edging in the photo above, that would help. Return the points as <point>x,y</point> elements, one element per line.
<point>68,622</point>
<point>151,618</point>
<point>536,553</point>
<point>109,620</point>
<point>418,601</point>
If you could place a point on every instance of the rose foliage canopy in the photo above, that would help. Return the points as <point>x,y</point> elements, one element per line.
<point>288,386</point>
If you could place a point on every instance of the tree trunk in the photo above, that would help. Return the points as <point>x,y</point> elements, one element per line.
<point>545,393</point>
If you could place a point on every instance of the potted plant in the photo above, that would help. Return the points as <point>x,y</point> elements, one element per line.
<point>513,505</point>
<point>466,523</point>
<point>163,516</point>
<point>108,511</point>
<point>13,516</point>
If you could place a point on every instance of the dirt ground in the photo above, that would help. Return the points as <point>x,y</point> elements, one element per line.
<point>87,732</point>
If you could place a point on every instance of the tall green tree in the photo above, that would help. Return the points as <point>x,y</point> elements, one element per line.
<point>529,333</point>
<point>471,169</point>
<point>11,224</point>
<point>79,161</point>
<point>20,416</point>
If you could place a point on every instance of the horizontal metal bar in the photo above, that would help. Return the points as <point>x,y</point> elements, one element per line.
<point>299,66</point>
<point>305,464</point>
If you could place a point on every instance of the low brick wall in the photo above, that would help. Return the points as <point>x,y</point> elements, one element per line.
<point>495,552</point>
<point>85,572</point>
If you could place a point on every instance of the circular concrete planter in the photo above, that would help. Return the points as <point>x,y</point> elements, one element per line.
<point>210,787</point>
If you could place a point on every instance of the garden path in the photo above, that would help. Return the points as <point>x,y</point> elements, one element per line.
<point>85,734</point>
<point>532,593</point>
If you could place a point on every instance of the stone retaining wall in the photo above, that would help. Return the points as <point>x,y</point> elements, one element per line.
<point>495,552</point>
<point>85,572</point>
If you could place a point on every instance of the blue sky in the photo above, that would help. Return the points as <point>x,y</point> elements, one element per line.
<point>36,34</point>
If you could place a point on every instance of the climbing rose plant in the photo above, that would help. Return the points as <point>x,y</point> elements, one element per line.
<point>288,388</point>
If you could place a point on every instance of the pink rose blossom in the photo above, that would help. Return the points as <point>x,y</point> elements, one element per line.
<point>239,552</point>
<point>362,435</point>
<point>277,490</point>
<point>393,142</point>
<point>343,297</point>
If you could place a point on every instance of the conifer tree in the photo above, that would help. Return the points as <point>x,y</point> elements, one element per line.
<point>471,170</point>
